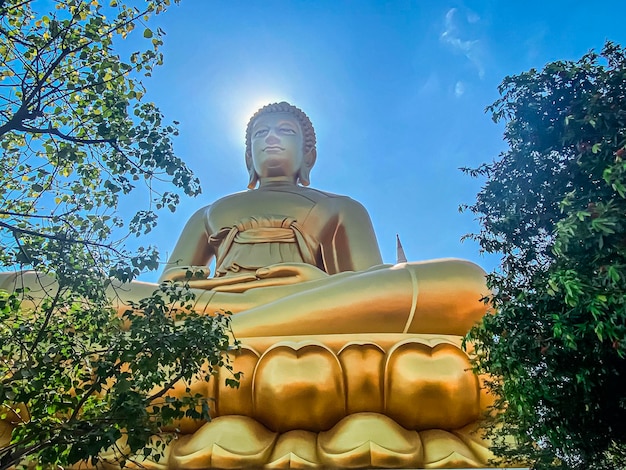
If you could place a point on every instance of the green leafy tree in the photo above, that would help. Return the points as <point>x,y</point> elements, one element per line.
<point>554,206</point>
<point>77,140</point>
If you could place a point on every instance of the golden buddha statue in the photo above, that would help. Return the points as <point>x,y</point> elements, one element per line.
<point>291,260</point>
<point>346,362</point>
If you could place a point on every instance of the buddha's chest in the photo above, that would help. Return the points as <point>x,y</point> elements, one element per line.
<point>229,213</point>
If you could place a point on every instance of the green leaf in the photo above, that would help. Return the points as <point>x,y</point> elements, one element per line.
<point>553,207</point>
<point>63,355</point>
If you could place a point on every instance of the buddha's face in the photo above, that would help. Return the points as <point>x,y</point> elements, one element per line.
<point>277,145</point>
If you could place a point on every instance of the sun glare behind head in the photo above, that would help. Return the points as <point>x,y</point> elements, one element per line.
<point>240,99</point>
<point>254,104</point>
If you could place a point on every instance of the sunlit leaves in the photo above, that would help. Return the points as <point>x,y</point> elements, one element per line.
<point>70,102</point>
<point>76,138</point>
<point>554,206</point>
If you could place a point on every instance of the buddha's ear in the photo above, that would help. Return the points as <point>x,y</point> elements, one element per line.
<point>254,178</point>
<point>307,164</point>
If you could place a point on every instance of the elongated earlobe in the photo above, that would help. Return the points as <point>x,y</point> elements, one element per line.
<point>254,178</point>
<point>304,176</point>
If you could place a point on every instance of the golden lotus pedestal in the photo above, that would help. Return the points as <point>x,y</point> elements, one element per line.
<point>339,401</point>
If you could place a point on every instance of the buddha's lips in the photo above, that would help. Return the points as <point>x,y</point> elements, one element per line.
<point>273,148</point>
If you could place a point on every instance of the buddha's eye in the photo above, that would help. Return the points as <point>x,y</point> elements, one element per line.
<point>260,133</point>
<point>287,131</point>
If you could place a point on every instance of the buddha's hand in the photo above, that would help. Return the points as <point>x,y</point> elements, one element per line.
<point>277,275</point>
<point>196,277</point>
<point>291,273</point>
<point>184,273</point>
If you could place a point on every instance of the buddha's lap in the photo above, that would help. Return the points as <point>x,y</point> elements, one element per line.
<point>456,274</point>
<point>438,278</point>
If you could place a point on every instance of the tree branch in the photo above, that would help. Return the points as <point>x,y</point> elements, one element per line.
<point>4,10</point>
<point>10,459</point>
<point>49,313</point>
<point>58,238</point>
<point>54,131</point>
<point>13,38</point>
<point>47,217</point>
<point>168,386</point>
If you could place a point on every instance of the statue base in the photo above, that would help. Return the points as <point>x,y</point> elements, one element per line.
<point>337,401</point>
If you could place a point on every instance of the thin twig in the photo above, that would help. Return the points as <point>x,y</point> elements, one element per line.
<point>58,238</point>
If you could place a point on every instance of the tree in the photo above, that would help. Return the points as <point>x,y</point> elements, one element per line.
<point>553,205</point>
<point>77,138</point>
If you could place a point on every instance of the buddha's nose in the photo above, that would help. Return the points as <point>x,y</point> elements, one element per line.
<point>272,139</point>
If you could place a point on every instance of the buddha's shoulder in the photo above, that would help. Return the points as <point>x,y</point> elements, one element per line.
<point>324,198</point>
<point>230,202</point>
<point>309,196</point>
<point>327,201</point>
<point>319,196</point>
<point>230,199</point>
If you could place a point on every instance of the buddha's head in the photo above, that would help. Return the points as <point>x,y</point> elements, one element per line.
<point>280,138</point>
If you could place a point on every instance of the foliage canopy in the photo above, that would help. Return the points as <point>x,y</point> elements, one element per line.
<point>554,206</point>
<point>77,138</point>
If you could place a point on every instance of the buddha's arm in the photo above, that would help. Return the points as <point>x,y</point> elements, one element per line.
<point>192,251</point>
<point>350,244</point>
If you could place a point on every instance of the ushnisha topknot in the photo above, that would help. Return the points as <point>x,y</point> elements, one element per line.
<point>308,133</point>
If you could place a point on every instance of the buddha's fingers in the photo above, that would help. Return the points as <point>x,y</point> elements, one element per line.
<point>271,276</point>
<point>300,271</point>
<point>237,283</point>
<point>259,283</point>
<point>180,273</point>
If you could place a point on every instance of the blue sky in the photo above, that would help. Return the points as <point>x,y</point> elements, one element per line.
<point>396,91</point>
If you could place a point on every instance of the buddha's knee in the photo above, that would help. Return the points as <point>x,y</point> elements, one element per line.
<point>449,275</point>
<point>33,285</point>
<point>8,281</point>
<point>31,280</point>
<point>450,295</point>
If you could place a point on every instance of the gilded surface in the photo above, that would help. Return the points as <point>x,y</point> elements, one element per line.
<point>322,417</point>
<point>346,362</point>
